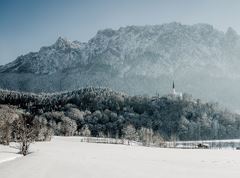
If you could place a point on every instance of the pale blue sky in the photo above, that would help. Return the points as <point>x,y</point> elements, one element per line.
<point>26,25</point>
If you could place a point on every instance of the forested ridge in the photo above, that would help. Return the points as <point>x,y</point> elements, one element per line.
<point>102,112</point>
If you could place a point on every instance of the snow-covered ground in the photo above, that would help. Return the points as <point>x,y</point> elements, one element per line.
<point>66,157</point>
<point>8,153</point>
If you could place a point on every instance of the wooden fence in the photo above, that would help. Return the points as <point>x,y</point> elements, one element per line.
<point>109,141</point>
<point>211,144</point>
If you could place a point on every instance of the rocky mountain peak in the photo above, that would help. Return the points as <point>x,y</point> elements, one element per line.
<point>64,43</point>
<point>231,33</point>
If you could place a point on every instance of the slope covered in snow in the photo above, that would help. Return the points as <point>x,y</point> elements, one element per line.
<point>68,157</point>
<point>48,60</point>
<point>8,154</point>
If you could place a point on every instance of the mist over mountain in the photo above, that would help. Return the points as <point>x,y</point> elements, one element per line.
<point>200,59</point>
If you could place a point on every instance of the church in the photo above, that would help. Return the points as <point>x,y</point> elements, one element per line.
<point>174,93</point>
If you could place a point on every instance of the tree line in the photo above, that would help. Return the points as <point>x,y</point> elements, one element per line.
<point>102,112</point>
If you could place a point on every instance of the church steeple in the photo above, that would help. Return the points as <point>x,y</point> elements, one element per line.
<point>173,88</point>
<point>174,93</point>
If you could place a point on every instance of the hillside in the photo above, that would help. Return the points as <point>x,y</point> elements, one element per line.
<point>68,157</point>
<point>137,60</point>
<point>106,113</point>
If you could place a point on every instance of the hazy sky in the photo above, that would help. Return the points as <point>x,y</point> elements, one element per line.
<point>26,25</point>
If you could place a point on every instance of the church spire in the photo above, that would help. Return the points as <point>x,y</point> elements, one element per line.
<point>174,93</point>
<point>173,89</point>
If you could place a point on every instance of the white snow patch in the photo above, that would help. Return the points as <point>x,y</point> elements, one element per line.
<point>68,157</point>
<point>8,153</point>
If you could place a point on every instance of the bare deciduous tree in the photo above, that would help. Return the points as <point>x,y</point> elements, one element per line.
<point>130,133</point>
<point>85,131</point>
<point>7,117</point>
<point>146,136</point>
<point>25,132</point>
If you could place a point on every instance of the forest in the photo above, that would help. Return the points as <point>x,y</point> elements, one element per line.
<point>102,112</point>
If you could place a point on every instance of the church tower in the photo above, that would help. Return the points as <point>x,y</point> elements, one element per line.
<point>174,93</point>
<point>173,89</point>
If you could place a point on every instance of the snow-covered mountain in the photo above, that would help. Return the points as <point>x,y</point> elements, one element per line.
<point>48,60</point>
<point>136,59</point>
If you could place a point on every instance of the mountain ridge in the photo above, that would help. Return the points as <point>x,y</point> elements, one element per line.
<point>104,38</point>
<point>136,60</point>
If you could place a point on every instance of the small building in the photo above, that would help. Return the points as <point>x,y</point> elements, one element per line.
<point>203,145</point>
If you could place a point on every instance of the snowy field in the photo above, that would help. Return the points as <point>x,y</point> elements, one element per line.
<point>8,153</point>
<point>66,157</point>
